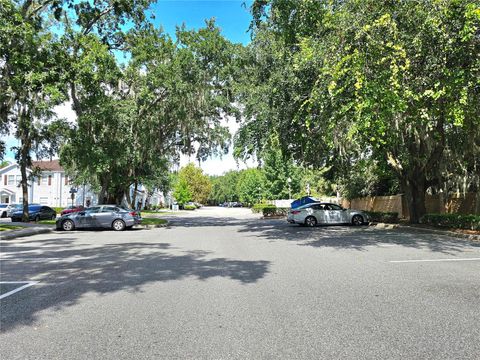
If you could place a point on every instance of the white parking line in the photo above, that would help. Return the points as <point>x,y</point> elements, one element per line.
<point>434,260</point>
<point>27,284</point>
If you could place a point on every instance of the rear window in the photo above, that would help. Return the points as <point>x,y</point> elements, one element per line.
<point>34,208</point>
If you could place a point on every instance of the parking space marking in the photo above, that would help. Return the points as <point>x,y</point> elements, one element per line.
<point>26,285</point>
<point>434,260</point>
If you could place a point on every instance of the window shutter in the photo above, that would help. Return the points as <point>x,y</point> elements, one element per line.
<point>5,180</point>
<point>49,180</point>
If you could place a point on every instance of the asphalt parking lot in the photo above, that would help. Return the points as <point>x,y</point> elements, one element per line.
<point>222,284</point>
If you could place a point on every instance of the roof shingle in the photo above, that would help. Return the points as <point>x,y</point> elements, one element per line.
<point>51,165</point>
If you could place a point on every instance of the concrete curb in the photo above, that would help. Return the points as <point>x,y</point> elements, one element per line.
<point>427,230</point>
<point>152,226</point>
<point>12,234</point>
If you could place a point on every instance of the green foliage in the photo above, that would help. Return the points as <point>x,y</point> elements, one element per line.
<point>167,100</point>
<point>251,185</point>
<point>197,183</point>
<point>384,217</point>
<point>367,178</point>
<point>456,221</point>
<point>278,170</point>
<point>181,192</point>
<point>403,102</point>
<point>274,211</point>
<point>224,188</point>
<point>154,221</point>
<point>189,207</point>
<point>258,208</point>
<point>58,210</point>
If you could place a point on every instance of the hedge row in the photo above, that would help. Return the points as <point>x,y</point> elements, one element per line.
<point>385,217</point>
<point>274,211</point>
<point>456,221</point>
<point>189,207</point>
<point>258,208</point>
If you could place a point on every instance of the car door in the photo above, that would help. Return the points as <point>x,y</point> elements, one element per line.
<point>334,213</point>
<point>319,212</point>
<point>106,216</point>
<point>88,218</point>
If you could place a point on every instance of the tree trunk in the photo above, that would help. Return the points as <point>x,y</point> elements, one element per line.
<point>24,161</point>
<point>134,197</point>
<point>24,182</point>
<point>414,187</point>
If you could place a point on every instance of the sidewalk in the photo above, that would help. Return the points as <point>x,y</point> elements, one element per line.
<point>27,231</point>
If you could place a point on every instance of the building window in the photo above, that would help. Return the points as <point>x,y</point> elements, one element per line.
<point>19,179</point>
<point>44,180</point>
<point>44,201</point>
<point>11,179</point>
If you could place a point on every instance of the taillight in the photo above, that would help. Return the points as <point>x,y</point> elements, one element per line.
<point>133,213</point>
<point>295,212</point>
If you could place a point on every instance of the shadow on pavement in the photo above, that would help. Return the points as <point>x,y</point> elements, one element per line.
<point>67,271</point>
<point>356,238</point>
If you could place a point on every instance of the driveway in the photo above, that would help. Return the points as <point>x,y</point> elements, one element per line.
<point>223,284</point>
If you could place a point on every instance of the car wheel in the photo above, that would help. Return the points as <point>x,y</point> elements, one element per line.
<point>68,225</point>
<point>4,214</point>
<point>357,220</point>
<point>118,225</point>
<point>37,218</point>
<point>310,221</point>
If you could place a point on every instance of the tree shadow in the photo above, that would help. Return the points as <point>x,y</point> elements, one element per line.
<point>66,272</point>
<point>355,238</point>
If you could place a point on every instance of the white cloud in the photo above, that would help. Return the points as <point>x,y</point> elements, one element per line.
<point>65,111</point>
<point>217,165</point>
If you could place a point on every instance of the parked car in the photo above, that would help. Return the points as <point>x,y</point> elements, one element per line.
<point>102,216</point>
<point>71,209</point>
<point>3,210</point>
<point>35,213</point>
<point>325,213</point>
<point>14,207</point>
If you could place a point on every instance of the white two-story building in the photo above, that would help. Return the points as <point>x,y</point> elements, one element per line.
<point>51,188</point>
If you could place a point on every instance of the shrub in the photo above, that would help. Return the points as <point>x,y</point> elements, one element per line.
<point>386,217</point>
<point>58,210</point>
<point>456,221</point>
<point>189,207</point>
<point>258,208</point>
<point>274,211</point>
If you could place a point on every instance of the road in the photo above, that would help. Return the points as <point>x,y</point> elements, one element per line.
<point>223,284</point>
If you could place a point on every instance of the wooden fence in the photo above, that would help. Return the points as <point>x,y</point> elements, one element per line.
<point>468,203</point>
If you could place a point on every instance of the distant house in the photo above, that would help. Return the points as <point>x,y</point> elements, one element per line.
<point>51,188</point>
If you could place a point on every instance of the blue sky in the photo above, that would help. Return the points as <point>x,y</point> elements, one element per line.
<point>233,19</point>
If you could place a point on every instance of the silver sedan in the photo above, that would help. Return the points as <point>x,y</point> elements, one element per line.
<point>325,213</point>
<point>103,216</point>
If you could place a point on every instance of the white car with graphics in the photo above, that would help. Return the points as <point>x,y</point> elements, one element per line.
<point>325,213</point>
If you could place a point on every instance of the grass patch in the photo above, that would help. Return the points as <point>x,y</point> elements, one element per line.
<point>165,211</point>
<point>153,221</point>
<point>47,222</point>
<point>10,227</point>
